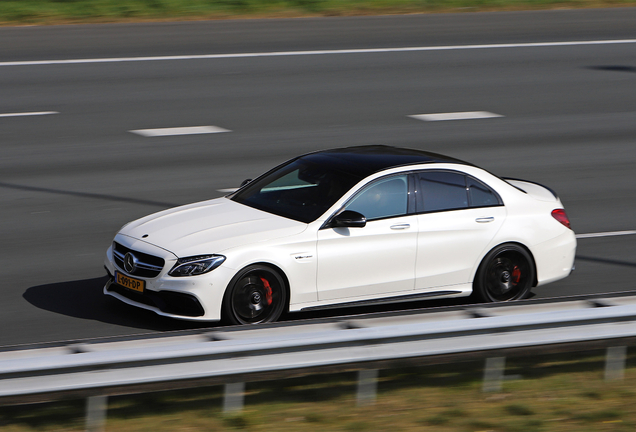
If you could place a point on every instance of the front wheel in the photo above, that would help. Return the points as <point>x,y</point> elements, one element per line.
<point>255,295</point>
<point>505,274</point>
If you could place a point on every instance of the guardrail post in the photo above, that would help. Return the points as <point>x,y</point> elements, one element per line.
<point>233,398</point>
<point>615,363</point>
<point>96,407</point>
<point>367,386</point>
<point>494,374</point>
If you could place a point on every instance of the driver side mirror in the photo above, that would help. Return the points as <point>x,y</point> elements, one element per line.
<point>347,219</point>
<point>244,182</point>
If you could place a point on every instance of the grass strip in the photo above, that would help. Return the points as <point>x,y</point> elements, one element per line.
<point>553,393</point>
<point>92,11</point>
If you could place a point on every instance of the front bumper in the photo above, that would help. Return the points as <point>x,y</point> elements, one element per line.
<point>194,298</point>
<point>168,303</point>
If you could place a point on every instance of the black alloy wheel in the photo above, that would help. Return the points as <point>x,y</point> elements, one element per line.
<point>256,295</point>
<point>505,274</point>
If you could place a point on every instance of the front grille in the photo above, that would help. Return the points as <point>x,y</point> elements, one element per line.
<point>171,302</point>
<point>148,266</point>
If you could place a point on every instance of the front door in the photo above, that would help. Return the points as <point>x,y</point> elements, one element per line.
<point>354,263</point>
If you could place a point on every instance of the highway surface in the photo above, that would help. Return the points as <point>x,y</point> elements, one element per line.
<point>72,172</point>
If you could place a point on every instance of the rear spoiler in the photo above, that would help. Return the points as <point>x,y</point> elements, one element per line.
<point>528,181</point>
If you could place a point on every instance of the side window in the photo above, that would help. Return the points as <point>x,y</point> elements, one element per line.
<point>384,198</point>
<point>481,195</point>
<point>441,190</point>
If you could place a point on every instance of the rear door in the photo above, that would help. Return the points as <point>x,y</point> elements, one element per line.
<point>458,216</point>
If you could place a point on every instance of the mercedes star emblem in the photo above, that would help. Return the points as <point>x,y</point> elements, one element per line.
<point>130,263</point>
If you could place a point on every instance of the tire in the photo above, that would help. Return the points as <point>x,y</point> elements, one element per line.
<point>257,294</point>
<point>505,274</point>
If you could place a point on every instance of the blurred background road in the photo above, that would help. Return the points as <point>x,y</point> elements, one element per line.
<point>72,175</point>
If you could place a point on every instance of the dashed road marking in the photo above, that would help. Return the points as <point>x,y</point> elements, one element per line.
<point>316,52</point>
<point>605,234</point>
<point>466,115</point>
<point>194,130</point>
<point>27,114</point>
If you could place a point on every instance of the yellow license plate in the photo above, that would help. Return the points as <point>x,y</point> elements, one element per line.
<point>130,283</point>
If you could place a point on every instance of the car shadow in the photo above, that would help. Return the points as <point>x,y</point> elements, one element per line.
<point>606,261</point>
<point>614,68</point>
<point>85,299</point>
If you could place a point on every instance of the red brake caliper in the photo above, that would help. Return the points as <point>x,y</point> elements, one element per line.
<point>268,291</point>
<point>516,275</point>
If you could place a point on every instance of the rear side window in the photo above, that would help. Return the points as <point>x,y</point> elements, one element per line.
<point>481,195</point>
<point>449,190</point>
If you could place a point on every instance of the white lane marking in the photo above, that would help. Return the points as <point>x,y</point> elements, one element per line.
<point>316,52</point>
<point>27,114</point>
<point>467,115</point>
<point>228,190</point>
<point>605,234</point>
<point>194,130</point>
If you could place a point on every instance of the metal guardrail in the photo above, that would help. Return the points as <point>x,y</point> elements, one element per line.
<point>234,357</point>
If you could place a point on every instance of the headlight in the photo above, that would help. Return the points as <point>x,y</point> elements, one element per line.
<point>196,265</point>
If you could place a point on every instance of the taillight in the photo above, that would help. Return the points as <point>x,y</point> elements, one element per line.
<point>559,214</point>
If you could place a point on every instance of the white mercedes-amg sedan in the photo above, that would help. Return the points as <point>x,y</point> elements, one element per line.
<point>344,227</point>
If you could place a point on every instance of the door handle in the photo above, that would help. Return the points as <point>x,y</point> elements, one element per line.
<point>400,226</point>
<point>484,219</point>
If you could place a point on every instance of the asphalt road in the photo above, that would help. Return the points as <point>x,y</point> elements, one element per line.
<point>69,180</point>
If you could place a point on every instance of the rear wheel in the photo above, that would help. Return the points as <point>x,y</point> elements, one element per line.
<point>505,274</point>
<point>255,295</point>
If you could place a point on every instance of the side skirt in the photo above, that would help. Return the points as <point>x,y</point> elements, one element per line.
<point>396,299</point>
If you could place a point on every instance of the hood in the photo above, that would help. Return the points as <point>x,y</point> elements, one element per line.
<point>209,227</point>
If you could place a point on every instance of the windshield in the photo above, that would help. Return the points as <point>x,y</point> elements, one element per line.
<point>301,190</point>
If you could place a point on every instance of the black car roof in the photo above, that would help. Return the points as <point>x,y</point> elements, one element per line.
<point>366,160</point>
